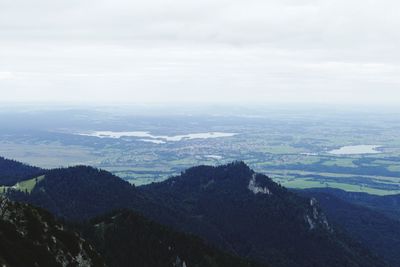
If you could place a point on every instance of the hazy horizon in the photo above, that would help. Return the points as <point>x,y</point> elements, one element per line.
<point>244,110</point>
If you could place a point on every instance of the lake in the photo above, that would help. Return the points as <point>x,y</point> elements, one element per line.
<point>356,150</point>
<point>157,139</point>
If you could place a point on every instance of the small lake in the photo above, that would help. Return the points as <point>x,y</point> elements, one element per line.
<point>356,150</point>
<point>217,157</point>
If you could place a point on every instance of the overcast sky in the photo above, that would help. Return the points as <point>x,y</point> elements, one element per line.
<point>219,51</point>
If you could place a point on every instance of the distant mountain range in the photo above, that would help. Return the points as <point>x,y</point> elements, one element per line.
<point>230,207</point>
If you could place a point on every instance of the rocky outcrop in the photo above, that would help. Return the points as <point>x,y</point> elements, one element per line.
<point>31,237</point>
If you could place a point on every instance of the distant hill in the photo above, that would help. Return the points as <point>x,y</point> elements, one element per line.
<point>229,206</point>
<point>12,172</point>
<point>32,237</point>
<point>124,238</point>
<point>377,231</point>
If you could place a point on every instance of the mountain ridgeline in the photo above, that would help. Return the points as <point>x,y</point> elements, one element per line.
<point>230,207</point>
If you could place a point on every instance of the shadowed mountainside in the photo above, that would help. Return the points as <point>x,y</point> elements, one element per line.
<point>32,237</point>
<point>378,232</point>
<point>229,206</point>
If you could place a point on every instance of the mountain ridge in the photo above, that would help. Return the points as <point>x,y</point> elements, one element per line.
<point>379,232</point>
<point>229,206</point>
<point>230,194</point>
<point>388,205</point>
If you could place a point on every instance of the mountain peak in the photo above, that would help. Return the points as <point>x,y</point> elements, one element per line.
<point>203,175</point>
<point>235,166</point>
<point>250,215</point>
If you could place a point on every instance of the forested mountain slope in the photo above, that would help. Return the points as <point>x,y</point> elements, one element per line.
<point>250,215</point>
<point>378,232</point>
<point>32,237</point>
<point>388,205</point>
<point>229,206</point>
<point>125,238</point>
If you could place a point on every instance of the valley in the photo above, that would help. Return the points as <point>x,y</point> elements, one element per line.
<point>302,151</point>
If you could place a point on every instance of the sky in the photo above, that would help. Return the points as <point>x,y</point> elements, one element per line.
<point>209,51</point>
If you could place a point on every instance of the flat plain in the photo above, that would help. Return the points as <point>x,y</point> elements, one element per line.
<point>293,149</point>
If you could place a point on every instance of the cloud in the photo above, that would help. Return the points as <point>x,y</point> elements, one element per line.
<point>208,51</point>
<point>323,23</point>
<point>5,75</point>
